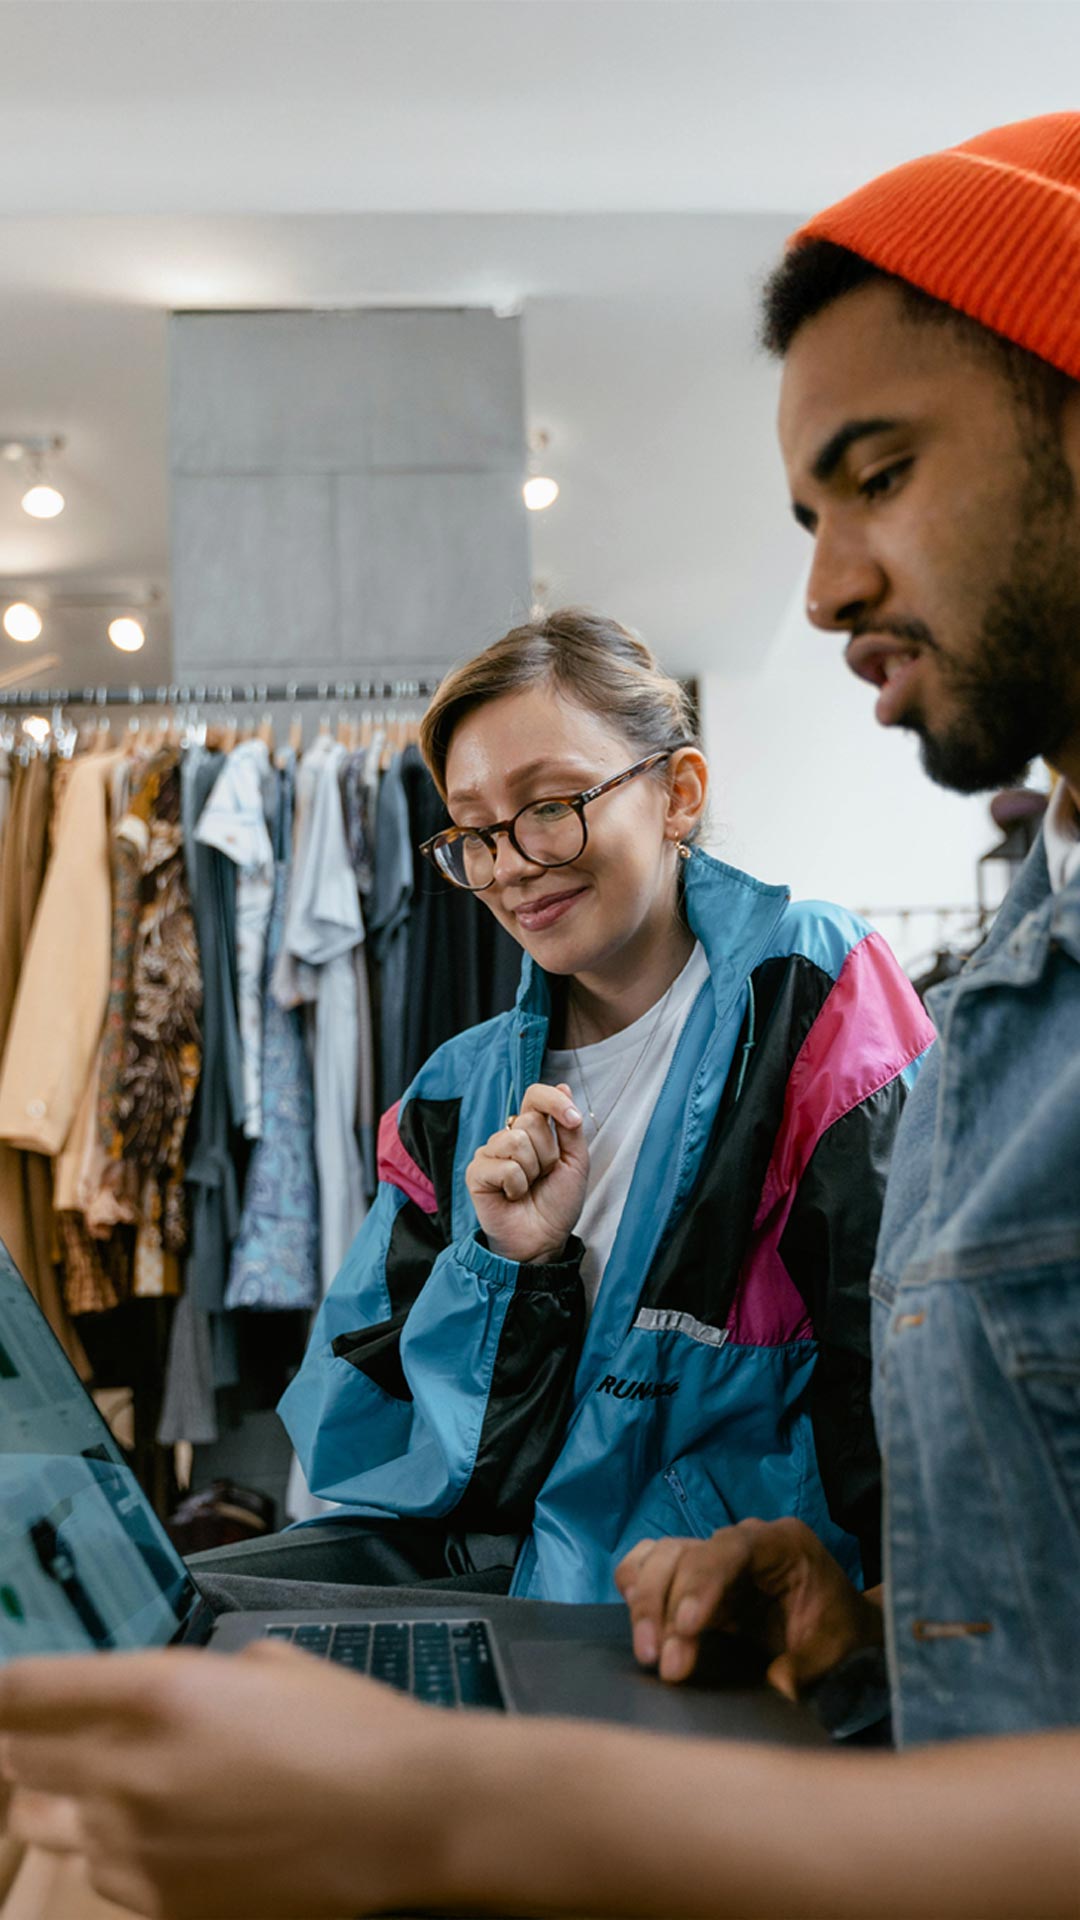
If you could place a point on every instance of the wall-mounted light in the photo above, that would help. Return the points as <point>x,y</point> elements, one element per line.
<point>22,622</point>
<point>40,498</point>
<point>37,727</point>
<point>127,634</point>
<point>540,490</point>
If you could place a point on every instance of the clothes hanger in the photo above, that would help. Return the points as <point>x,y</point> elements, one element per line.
<point>386,757</point>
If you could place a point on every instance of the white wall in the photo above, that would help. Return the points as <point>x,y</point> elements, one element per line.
<point>809,790</point>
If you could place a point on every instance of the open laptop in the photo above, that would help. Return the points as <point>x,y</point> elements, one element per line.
<point>86,1564</point>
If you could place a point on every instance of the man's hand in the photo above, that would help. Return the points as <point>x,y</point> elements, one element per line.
<point>257,1786</point>
<point>772,1580</point>
<point>527,1182</point>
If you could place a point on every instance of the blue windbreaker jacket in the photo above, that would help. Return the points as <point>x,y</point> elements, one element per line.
<point>725,1370</point>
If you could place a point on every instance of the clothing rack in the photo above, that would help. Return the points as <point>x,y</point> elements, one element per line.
<point>229,694</point>
<point>873,914</point>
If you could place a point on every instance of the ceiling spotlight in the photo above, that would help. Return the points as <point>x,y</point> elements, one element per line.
<point>127,634</point>
<point>42,501</point>
<point>540,490</point>
<point>22,621</point>
<point>40,498</point>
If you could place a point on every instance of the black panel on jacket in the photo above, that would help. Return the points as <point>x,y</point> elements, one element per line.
<point>531,1390</point>
<point>828,1251</point>
<point>428,1131</point>
<point>416,1241</point>
<point>697,1268</point>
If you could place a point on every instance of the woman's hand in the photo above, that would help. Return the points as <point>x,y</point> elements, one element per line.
<point>261,1785</point>
<point>770,1579</point>
<point>528,1181</point>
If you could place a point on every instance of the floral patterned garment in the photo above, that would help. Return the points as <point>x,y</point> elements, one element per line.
<point>152,1052</point>
<point>130,842</point>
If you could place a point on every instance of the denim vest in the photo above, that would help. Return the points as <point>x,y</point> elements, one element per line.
<point>976,1293</point>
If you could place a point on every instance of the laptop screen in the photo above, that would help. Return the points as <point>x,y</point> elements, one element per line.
<point>84,1560</point>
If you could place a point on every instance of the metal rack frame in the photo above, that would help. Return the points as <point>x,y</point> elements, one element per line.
<point>228,694</point>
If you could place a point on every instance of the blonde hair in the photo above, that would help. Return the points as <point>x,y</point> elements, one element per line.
<point>599,663</point>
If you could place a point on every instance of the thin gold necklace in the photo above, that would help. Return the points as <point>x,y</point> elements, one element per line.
<point>636,1064</point>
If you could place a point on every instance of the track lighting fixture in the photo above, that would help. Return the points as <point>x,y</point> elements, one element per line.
<point>22,622</point>
<point>127,634</point>
<point>540,490</point>
<point>40,498</point>
<point>121,606</point>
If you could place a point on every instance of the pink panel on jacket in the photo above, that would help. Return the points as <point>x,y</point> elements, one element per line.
<point>768,1309</point>
<point>871,1027</point>
<point>398,1167</point>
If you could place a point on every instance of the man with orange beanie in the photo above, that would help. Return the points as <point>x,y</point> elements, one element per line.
<point>930,427</point>
<point>930,422</point>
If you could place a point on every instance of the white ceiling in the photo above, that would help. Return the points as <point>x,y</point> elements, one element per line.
<point>318,106</point>
<point>624,172</point>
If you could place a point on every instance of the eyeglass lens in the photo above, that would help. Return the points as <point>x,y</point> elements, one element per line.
<point>550,833</point>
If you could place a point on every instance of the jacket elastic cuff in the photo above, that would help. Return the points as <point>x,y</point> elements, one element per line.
<point>556,1273</point>
<point>549,1275</point>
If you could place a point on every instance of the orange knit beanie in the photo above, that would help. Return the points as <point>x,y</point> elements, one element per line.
<point>991,227</point>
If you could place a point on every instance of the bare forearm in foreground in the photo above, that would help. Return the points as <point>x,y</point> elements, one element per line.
<point>271,1786</point>
<point>569,1819</point>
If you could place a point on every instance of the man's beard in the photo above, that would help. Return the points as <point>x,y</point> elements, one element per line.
<point>1020,695</point>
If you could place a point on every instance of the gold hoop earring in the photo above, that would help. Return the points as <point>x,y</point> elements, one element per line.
<point>683,850</point>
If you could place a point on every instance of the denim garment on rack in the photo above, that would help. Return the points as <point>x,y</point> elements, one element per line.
<point>275,1262</point>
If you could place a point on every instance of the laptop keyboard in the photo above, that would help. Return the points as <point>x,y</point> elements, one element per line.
<point>447,1663</point>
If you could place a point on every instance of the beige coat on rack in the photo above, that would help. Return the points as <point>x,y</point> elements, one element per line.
<point>25,1178</point>
<point>64,979</point>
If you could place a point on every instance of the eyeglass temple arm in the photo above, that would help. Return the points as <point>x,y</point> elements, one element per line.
<point>618,779</point>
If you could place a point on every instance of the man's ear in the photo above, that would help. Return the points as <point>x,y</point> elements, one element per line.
<point>688,786</point>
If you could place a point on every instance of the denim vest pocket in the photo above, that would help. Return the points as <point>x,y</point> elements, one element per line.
<point>1032,1321</point>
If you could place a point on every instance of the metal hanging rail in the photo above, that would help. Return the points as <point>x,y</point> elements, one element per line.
<point>228,694</point>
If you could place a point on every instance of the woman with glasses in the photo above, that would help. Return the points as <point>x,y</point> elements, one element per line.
<point>614,1285</point>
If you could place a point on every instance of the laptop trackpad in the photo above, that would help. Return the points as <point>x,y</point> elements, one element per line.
<point>595,1680</point>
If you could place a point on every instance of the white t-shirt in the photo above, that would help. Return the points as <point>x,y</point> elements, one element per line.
<point>620,1079</point>
<point>1061,837</point>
